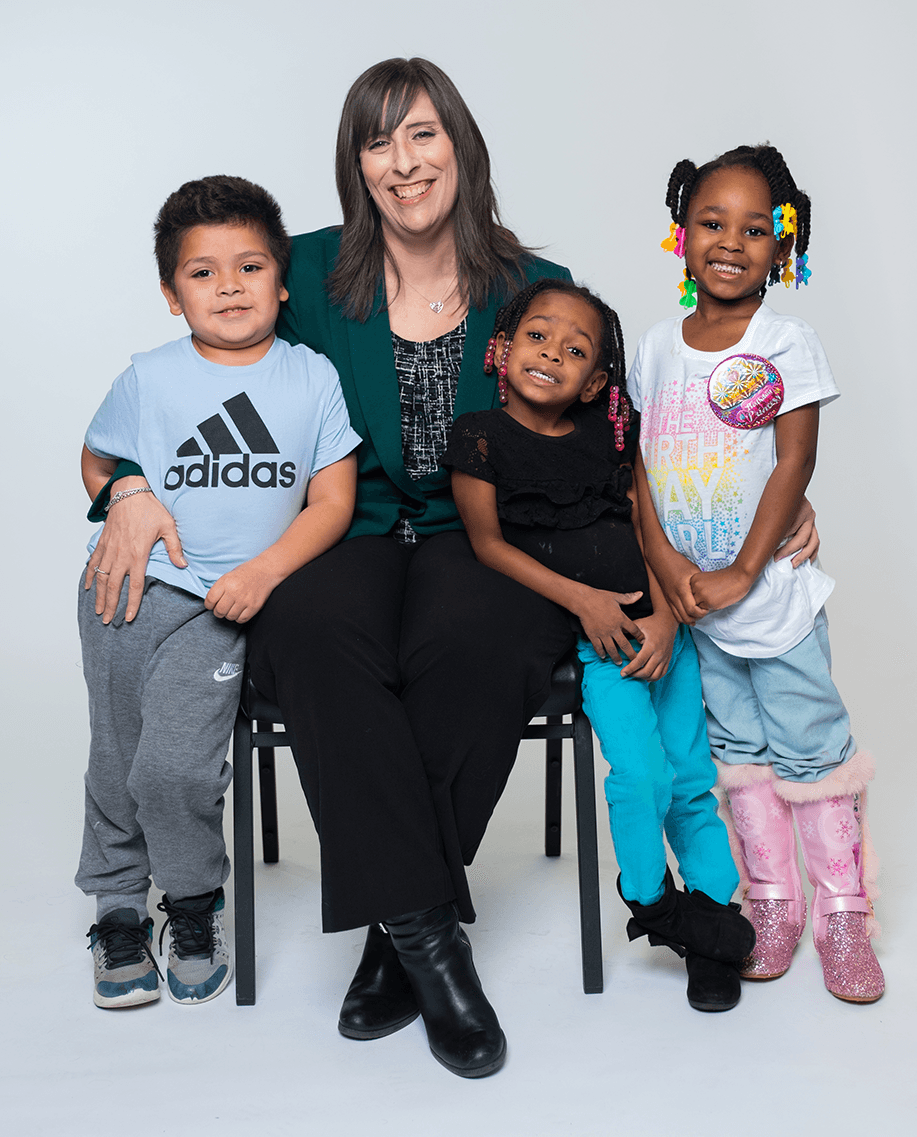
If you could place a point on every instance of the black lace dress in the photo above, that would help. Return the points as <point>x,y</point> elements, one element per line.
<point>563,500</point>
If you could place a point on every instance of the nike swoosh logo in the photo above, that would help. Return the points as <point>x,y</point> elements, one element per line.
<point>227,671</point>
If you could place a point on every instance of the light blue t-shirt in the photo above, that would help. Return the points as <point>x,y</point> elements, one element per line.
<point>228,450</point>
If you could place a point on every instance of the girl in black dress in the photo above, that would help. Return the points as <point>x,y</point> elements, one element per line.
<point>545,489</point>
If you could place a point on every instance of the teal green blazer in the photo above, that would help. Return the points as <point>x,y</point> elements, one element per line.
<point>363,356</point>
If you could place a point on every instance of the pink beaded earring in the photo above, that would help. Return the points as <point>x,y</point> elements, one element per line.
<point>507,348</point>
<point>501,370</point>
<point>618,415</point>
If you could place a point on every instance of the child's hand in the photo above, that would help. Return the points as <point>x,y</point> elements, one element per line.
<point>675,573</point>
<point>607,628</point>
<point>720,588</point>
<point>802,540</point>
<point>242,593</point>
<point>652,660</point>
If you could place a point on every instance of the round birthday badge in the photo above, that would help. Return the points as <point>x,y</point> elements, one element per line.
<point>745,391</point>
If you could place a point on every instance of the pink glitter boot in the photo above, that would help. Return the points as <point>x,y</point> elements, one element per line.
<point>772,889</point>
<point>829,831</point>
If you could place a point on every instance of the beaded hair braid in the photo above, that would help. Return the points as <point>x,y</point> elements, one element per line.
<point>686,178</point>
<point>611,350</point>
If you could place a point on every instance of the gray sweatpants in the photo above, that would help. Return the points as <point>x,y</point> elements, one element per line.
<point>163,693</point>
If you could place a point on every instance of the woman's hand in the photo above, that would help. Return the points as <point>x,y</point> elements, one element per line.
<point>652,660</point>
<point>607,628</point>
<point>132,528</point>
<point>802,540</point>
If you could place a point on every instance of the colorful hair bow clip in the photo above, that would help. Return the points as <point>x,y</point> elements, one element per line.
<point>784,220</point>
<point>688,290</point>
<point>675,242</point>
<point>803,272</point>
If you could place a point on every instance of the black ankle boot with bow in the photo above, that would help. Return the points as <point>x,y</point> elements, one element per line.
<point>712,937</point>
<point>691,922</point>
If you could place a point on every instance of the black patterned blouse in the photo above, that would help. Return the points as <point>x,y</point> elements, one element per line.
<point>428,375</point>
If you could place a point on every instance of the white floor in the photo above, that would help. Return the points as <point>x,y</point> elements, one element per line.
<point>636,1060</point>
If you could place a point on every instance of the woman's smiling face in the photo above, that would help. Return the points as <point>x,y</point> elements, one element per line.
<point>412,173</point>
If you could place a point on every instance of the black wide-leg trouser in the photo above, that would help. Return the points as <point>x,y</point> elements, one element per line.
<point>405,674</point>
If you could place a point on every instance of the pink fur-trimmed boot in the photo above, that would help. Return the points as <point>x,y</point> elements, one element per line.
<point>836,851</point>
<point>764,846</point>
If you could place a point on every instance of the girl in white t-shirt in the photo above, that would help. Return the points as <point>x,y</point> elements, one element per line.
<point>729,397</point>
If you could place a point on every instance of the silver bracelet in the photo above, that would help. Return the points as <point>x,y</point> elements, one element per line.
<point>122,494</point>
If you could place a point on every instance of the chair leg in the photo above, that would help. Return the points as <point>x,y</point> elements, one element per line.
<point>553,788</point>
<point>267,782</point>
<point>243,861</point>
<point>587,855</point>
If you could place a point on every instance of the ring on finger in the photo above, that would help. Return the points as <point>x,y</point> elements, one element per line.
<point>101,572</point>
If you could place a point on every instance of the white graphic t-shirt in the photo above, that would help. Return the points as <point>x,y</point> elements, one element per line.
<point>707,438</point>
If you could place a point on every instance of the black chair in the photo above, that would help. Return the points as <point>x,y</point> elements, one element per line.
<point>564,702</point>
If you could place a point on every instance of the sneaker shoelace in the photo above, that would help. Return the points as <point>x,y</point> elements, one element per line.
<point>123,944</point>
<point>192,931</point>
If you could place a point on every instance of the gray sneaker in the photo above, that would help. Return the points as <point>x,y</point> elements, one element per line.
<point>126,974</point>
<point>200,962</point>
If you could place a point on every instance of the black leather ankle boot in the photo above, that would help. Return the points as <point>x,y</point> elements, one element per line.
<point>380,999</point>
<point>462,1026</point>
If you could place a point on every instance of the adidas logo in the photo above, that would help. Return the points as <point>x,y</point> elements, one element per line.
<point>219,439</point>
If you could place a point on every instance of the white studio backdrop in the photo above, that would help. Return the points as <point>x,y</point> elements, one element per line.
<point>585,106</point>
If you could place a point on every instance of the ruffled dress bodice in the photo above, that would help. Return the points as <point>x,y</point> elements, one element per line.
<point>561,499</point>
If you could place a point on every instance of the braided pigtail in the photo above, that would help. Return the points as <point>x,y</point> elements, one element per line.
<point>784,189</point>
<point>681,186</point>
<point>682,181</point>
<point>792,213</point>
<point>620,408</point>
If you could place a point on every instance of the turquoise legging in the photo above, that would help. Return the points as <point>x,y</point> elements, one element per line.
<point>654,738</point>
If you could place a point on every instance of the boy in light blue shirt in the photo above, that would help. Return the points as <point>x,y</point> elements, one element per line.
<point>247,442</point>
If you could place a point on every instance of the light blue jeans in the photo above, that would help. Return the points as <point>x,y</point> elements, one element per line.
<point>654,738</point>
<point>784,711</point>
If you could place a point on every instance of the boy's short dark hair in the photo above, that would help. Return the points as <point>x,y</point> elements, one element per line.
<point>218,200</point>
